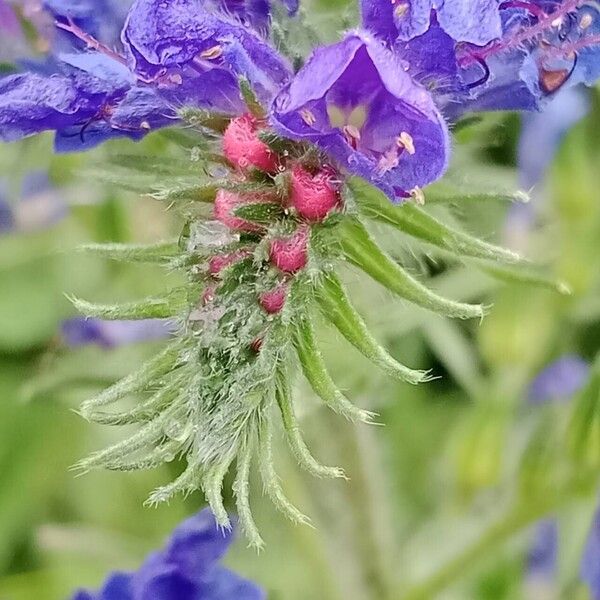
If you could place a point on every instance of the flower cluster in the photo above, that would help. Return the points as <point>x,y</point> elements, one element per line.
<point>187,569</point>
<point>274,209</point>
<point>373,102</point>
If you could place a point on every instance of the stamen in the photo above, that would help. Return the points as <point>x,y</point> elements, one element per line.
<point>524,35</point>
<point>586,20</point>
<point>418,195</point>
<point>352,135</point>
<point>406,142</point>
<point>90,41</point>
<point>308,117</point>
<point>401,9</point>
<point>212,53</point>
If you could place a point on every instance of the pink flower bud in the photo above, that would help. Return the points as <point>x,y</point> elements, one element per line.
<point>290,254</point>
<point>208,295</point>
<point>274,300</point>
<point>313,196</point>
<point>244,149</point>
<point>225,204</point>
<point>218,263</point>
<point>256,345</point>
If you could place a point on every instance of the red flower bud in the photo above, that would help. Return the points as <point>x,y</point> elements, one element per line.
<point>313,196</point>
<point>218,263</point>
<point>273,301</point>
<point>256,345</point>
<point>225,204</point>
<point>244,149</point>
<point>290,254</point>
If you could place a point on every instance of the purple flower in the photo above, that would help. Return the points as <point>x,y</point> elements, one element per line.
<point>560,380</point>
<point>177,54</point>
<point>590,563</point>
<point>542,133</point>
<point>356,101</point>
<point>542,558</point>
<point>491,55</point>
<point>474,21</point>
<point>81,331</point>
<point>186,569</point>
<point>180,39</point>
<point>39,207</point>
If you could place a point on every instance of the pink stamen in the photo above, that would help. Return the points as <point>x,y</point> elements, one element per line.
<point>525,35</point>
<point>90,41</point>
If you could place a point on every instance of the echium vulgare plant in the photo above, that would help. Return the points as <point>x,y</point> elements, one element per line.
<point>274,202</point>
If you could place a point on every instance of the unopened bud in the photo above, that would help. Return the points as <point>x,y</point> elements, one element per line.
<point>290,254</point>
<point>244,149</point>
<point>217,264</point>
<point>224,210</point>
<point>313,196</point>
<point>274,300</point>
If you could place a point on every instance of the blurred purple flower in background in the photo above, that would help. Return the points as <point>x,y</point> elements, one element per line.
<point>187,569</point>
<point>81,331</point>
<point>560,380</point>
<point>40,206</point>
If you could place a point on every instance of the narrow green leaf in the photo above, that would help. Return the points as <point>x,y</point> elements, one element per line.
<point>270,479</point>
<point>316,373</point>
<point>263,213</point>
<point>336,307</point>
<point>212,484</point>
<point>241,490</point>
<point>137,253</point>
<point>524,275</point>
<point>361,250</point>
<point>149,308</point>
<point>292,429</point>
<point>414,221</point>
<point>186,483</point>
<point>165,453</point>
<point>160,365</point>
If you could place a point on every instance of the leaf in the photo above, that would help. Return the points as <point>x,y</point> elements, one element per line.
<point>414,221</point>
<point>135,253</point>
<point>149,308</point>
<point>524,275</point>
<point>362,251</point>
<point>263,213</point>
<point>337,308</point>
<point>316,373</point>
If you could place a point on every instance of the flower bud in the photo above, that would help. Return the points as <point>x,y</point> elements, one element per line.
<point>273,301</point>
<point>243,148</point>
<point>225,204</point>
<point>218,263</point>
<point>290,254</point>
<point>313,196</point>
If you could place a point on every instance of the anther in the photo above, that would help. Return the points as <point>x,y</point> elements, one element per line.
<point>585,21</point>
<point>352,135</point>
<point>212,53</point>
<point>308,117</point>
<point>406,142</point>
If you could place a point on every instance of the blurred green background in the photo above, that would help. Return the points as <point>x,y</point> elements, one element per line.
<point>447,461</point>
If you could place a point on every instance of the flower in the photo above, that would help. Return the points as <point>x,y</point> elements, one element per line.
<point>542,557</point>
<point>560,380</point>
<point>356,102</point>
<point>590,562</point>
<point>80,331</point>
<point>40,206</point>
<point>486,55</point>
<point>186,569</point>
<point>474,21</point>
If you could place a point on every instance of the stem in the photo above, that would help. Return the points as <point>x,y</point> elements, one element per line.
<point>514,520</point>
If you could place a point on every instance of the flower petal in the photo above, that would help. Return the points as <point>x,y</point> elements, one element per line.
<point>355,100</point>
